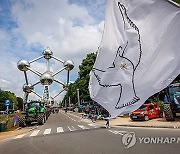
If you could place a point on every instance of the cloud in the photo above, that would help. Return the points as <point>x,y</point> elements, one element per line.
<point>68,28</point>
<point>4,83</point>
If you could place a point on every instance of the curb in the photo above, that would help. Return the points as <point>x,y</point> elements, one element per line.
<point>172,127</point>
<point>15,134</point>
<point>144,126</point>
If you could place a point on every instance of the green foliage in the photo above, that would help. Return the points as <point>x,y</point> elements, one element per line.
<point>82,81</point>
<point>177,1</point>
<point>4,95</point>
<point>20,103</point>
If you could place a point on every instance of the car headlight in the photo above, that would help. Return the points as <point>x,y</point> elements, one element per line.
<point>144,112</point>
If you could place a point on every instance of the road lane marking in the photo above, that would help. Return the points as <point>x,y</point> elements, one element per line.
<point>85,120</point>
<point>47,131</point>
<point>60,130</point>
<point>68,116</point>
<point>34,133</point>
<point>75,115</point>
<point>83,127</point>
<point>119,132</point>
<point>93,125</point>
<point>74,128</point>
<point>71,129</point>
<point>19,136</point>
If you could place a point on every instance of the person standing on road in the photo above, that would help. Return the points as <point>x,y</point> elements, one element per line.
<point>107,118</point>
<point>94,115</point>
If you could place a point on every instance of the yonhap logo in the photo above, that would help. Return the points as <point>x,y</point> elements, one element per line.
<point>129,139</point>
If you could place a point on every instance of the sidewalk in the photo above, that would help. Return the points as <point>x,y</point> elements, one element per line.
<point>156,123</point>
<point>126,121</point>
<point>8,134</point>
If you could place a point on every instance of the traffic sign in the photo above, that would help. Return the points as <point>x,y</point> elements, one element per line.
<point>7,102</point>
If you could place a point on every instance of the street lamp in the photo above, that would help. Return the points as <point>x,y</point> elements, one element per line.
<point>78,96</point>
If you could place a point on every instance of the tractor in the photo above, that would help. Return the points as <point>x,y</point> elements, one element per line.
<point>172,101</point>
<point>35,112</point>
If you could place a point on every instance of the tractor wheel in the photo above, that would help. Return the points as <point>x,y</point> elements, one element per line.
<point>40,119</point>
<point>168,112</point>
<point>22,121</point>
<point>28,123</point>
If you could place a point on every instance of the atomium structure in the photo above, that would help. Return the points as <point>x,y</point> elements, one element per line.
<point>46,78</point>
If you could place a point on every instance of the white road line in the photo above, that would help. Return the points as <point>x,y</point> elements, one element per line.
<point>85,120</point>
<point>68,116</point>
<point>47,131</point>
<point>116,132</point>
<point>70,129</point>
<point>19,136</point>
<point>74,128</point>
<point>119,132</point>
<point>60,130</point>
<point>93,125</point>
<point>83,127</point>
<point>75,115</point>
<point>34,133</point>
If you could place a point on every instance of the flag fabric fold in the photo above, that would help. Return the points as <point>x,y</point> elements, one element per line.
<point>139,54</point>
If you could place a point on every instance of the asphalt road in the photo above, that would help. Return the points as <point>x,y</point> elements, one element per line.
<point>69,134</point>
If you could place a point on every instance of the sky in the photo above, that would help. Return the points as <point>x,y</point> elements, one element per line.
<point>70,28</point>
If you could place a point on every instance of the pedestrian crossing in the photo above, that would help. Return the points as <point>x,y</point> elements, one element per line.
<point>35,133</point>
<point>48,131</point>
<point>60,130</point>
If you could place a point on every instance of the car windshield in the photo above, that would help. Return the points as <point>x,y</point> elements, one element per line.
<point>173,90</point>
<point>33,104</point>
<point>143,107</point>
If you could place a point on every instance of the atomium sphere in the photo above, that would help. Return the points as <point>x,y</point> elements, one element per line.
<point>28,88</point>
<point>47,53</point>
<point>46,78</point>
<point>23,65</point>
<point>69,65</point>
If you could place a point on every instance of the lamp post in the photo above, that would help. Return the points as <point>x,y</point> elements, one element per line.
<point>65,105</point>
<point>78,96</point>
<point>69,101</point>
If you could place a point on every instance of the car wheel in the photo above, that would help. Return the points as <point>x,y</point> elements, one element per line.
<point>161,115</point>
<point>146,118</point>
<point>131,119</point>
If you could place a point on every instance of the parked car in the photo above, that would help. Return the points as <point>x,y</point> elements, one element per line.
<point>146,112</point>
<point>3,112</point>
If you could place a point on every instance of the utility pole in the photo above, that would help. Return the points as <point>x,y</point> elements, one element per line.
<point>78,96</point>
<point>69,101</point>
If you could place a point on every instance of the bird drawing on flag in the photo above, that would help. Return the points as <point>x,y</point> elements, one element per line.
<point>121,74</point>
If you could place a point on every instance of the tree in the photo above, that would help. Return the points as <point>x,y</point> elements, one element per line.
<point>4,95</point>
<point>20,103</point>
<point>177,1</point>
<point>82,81</point>
<point>13,99</point>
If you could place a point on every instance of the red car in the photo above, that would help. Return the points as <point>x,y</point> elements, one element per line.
<point>146,112</point>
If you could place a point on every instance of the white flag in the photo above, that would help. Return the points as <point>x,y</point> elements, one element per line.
<point>139,54</point>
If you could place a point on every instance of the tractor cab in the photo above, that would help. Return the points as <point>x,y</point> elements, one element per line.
<point>172,101</point>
